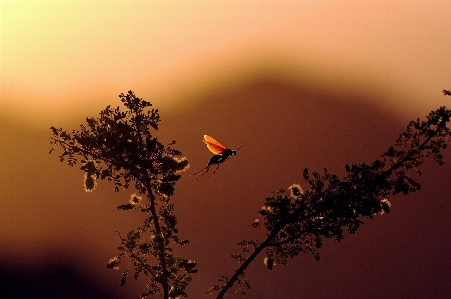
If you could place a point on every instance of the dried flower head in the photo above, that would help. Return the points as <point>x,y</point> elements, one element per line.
<point>385,206</point>
<point>295,190</point>
<point>135,199</point>
<point>256,223</point>
<point>113,263</point>
<point>174,164</point>
<point>269,262</point>
<point>90,182</point>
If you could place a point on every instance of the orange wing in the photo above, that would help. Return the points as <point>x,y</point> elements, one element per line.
<point>213,145</point>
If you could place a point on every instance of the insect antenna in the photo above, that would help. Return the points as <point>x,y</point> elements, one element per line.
<point>240,146</point>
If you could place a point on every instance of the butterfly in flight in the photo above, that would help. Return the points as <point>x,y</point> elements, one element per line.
<point>221,154</point>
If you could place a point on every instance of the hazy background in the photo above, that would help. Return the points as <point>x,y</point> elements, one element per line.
<point>304,83</point>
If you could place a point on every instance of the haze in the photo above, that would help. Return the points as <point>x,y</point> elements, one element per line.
<point>304,83</point>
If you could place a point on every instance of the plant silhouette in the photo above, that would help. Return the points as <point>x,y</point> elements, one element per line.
<point>119,147</point>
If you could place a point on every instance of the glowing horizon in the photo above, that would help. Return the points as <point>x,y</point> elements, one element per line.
<point>56,56</point>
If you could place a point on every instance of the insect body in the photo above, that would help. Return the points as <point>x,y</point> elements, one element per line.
<point>222,154</point>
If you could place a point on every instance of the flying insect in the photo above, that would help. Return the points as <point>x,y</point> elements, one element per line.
<point>221,154</point>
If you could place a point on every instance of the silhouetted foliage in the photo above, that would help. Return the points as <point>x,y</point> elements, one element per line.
<point>119,147</point>
<point>297,221</point>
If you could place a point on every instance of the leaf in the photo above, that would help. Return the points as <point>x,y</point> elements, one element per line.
<point>128,206</point>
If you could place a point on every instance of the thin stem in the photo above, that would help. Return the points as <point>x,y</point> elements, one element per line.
<point>85,152</point>
<point>162,257</point>
<point>243,266</point>
<point>420,148</point>
<point>133,255</point>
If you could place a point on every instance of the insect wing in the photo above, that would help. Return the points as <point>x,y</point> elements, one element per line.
<point>213,145</point>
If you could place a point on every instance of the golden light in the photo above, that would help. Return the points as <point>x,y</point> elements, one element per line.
<point>62,61</point>
<point>60,56</point>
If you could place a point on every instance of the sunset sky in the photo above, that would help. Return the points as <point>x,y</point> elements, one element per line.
<point>304,83</point>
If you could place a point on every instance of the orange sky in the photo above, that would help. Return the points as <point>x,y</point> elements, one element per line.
<point>303,83</point>
<point>53,50</point>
